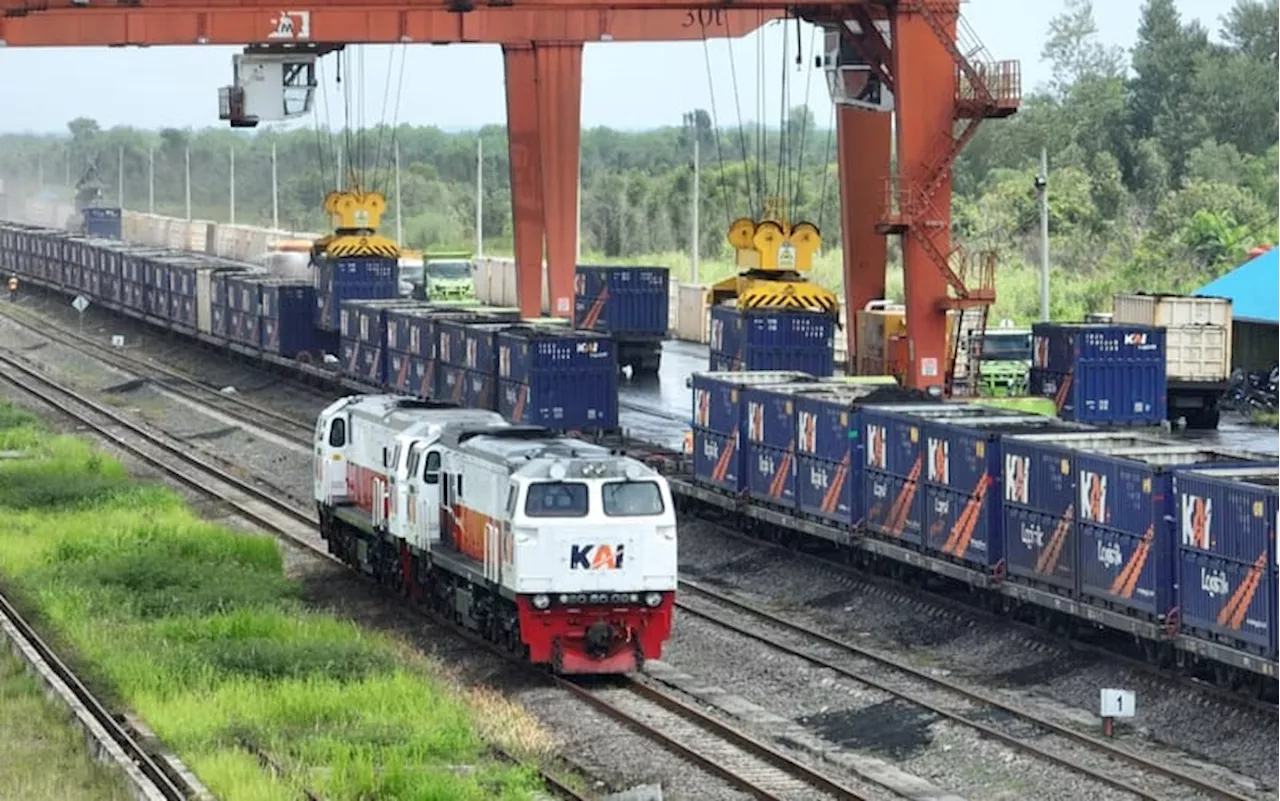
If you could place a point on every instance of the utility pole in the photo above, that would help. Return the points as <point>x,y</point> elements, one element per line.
<point>151,180</point>
<point>1042,186</point>
<point>188,168</point>
<point>479,196</point>
<point>232,192</point>
<point>120,178</point>
<point>399,203</point>
<point>275,191</point>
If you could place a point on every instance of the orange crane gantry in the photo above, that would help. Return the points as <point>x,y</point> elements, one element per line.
<point>941,91</point>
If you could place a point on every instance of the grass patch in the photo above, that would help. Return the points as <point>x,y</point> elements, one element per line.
<point>45,758</point>
<point>198,630</point>
<point>1267,419</point>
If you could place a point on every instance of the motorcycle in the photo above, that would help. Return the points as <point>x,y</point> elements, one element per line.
<point>1253,391</point>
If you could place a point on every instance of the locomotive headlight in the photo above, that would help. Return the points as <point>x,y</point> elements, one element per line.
<point>652,598</point>
<point>541,601</point>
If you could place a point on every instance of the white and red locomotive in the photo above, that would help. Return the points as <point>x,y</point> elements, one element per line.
<point>562,550</point>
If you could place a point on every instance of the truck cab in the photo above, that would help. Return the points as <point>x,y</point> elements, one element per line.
<point>1004,359</point>
<point>446,278</point>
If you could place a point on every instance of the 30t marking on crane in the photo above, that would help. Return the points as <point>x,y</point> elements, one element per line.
<point>291,25</point>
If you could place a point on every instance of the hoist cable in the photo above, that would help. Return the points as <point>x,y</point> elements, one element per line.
<point>382,124</point>
<point>808,115</point>
<point>826,168</point>
<point>715,128</point>
<point>762,179</point>
<point>742,133</point>
<point>780,185</point>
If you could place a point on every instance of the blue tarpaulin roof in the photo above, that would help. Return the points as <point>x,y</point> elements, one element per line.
<point>1254,288</point>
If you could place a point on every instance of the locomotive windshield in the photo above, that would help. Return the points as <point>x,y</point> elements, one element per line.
<point>556,499</point>
<point>632,499</point>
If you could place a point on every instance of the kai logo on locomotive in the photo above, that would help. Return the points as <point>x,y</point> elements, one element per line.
<point>1196,521</point>
<point>596,557</point>
<point>1093,497</point>
<point>1016,470</point>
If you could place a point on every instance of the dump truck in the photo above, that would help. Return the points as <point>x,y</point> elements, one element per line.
<point>1197,350</point>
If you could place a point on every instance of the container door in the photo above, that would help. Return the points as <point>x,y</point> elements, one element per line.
<point>425,500</point>
<point>330,455</point>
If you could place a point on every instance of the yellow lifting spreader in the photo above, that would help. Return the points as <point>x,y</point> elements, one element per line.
<point>774,255</point>
<point>356,215</point>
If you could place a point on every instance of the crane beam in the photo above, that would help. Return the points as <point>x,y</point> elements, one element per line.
<point>148,26</point>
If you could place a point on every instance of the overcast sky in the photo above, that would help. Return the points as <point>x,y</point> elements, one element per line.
<point>629,86</point>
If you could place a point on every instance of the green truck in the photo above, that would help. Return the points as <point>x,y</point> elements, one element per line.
<point>440,276</point>
<point>1005,361</point>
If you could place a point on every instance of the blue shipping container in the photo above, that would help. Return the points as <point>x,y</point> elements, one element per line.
<point>566,380</point>
<point>719,422</point>
<point>632,301</point>
<point>288,326</point>
<point>339,280</point>
<point>963,482</point>
<point>103,222</point>
<point>772,339</point>
<point>893,464</point>
<point>244,294</point>
<point>423,377</point>
<point>1101,373</point>
<point>828,461</point>
<point>451,346</point>
<point>219,322</point>
<point>769,452</point>
<point>245,328</point>
<point>451,383</point>
<point>1225,522</point>
<point>400,373</point>
<point>1041,504</point>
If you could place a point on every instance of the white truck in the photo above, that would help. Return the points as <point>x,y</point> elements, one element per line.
<point>1197,347</point>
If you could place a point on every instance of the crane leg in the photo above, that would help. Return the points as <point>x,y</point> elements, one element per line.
<point>559,76</point>
<point>527,209</point>
<point>924,93</point>
<point>864,139</point>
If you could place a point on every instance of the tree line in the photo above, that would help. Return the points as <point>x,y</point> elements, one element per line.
<point>1163,167</point>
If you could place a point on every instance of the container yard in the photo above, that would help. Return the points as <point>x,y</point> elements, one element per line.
<point>924,542</point>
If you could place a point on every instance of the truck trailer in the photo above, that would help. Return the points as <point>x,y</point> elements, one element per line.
<point>1197,346</point>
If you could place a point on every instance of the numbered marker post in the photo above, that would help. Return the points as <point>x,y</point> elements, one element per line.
<point>1116,704</point>
<point>80,304</point>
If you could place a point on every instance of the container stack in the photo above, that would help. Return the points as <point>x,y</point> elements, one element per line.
<point>558,379</point>
<point>183,273</point>
<point>771,339</point>
<point>363,328</point>
<point>1100,374</point>
<point>342,280</point>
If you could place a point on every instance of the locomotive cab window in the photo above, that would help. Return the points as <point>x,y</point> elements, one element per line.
<point>432,472</point>
<point>338,433</point>
<point>631,499</point>
<point>556,499</point>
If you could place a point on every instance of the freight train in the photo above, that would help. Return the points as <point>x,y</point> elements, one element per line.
<point>1173,545</point>
<point>560,550</point>
<point>1171,542</point>
<point>535,372</point>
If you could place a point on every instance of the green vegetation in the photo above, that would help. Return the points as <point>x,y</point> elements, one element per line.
<point>197,630</point>
<point>1163,170</point>
<point>45,758</point>
<point>1266,419</point>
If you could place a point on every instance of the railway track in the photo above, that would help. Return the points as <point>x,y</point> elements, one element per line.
<point>724,750</point>
<point>150,780</point>
<point>170,380</point>
<point>1085,754</point>
<point>716,746</point>
<point>1073,750</point>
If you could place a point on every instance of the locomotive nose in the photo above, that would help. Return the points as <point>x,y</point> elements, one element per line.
<point>599,638</point>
